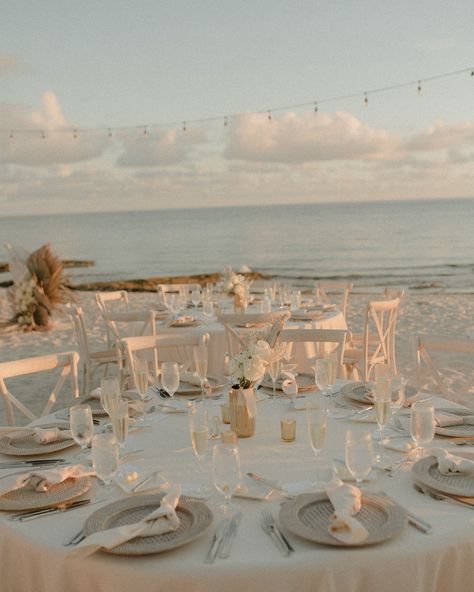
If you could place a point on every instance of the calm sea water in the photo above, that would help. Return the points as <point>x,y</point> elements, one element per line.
<point>416,244</point>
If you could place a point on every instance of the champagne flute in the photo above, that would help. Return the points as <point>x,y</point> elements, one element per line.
<point>141,381</point>
<point>358,454</point>
<point>120,420</point>
<point>199,430</point>
<point>316,422</point>
<point>226,471</point>
<point>321,379</point>
<point>331,374</point>
<point>274,373</point>
<point>200,361</point>
<point>170,377</point>
<point>82,428</point>
<point>105,456</point>
<point>383,410</point>
<point>109,394</point>
<point>422,425</point>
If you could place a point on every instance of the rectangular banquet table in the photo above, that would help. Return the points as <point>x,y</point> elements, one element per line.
<point>32,556</point>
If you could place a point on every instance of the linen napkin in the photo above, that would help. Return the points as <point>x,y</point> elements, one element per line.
<point>290,387</point>
<point>48,435</point>
<point>444,420</point>
<point>449,464</point>
<point>288,371</point>
<point>164,519</point>
<point>346,500</point>
<point>42,480</point>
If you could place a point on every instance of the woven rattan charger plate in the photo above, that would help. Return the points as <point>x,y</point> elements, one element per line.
<point>29,499</point>
<point>361,392</point>
<point>186,388</point>
<point>27,445</point>
<point>195,517</point>
<point>304,381</point>
<point>308,514</point>
<point>426,472</point>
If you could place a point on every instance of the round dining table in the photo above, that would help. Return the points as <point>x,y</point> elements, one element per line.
<point>33,556</point>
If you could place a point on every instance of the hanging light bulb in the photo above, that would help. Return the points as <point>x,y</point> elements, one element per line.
<point>184,126</point>
<point>74,134</point>
<point>109,132</point>
<point>43,135</point>
<point>145,131</point>
<point>270,119</point>
<point>366,100</point>
<point>225,121</point>
<point>11,135</point>
<point>419,90</point>
<point>315,106</point>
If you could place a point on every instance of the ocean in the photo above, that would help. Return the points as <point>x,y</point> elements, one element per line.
<point>420,245</point>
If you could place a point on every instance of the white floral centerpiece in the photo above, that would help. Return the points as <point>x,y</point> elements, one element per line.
<point>249,366</point>
<point>235,285</point>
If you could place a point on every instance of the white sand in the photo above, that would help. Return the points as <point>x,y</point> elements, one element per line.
<point>445,314</point>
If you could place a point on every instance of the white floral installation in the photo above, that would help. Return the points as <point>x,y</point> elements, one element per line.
<point>233,283</point>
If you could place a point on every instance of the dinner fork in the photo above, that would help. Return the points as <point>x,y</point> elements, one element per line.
<point>271,524</point>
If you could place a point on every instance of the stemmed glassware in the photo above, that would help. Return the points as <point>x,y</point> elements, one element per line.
<point>207,308</point>
<point>141,380</point>
<point>105,458</point>
<point>170,377</point>
<point>120,419</point>
<point>398,393</point>
<point>226,471</point>
<point>200,361</point>
<point>195,297</point>
<point>358,454</point>
<point>82,427</point>
<point>316,422</point>
<point>199,431</point>
<point>274,372</point>
<point>321,379</point>
<point>109,394</point>
<point>383,410</point>
<point>422,425</point>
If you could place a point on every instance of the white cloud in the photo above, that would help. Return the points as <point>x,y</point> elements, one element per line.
<point>442,137</point>
<point>9,64</point>
<point>159,147</point>
<point>58,145</point>
<point>298,139</point>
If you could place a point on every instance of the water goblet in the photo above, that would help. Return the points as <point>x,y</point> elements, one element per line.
<point>316,423</point>
<point>422,425</point>
<point>226,472</point>
<point>82,427</point>
<point>383,410</point>
<point>105,456</point>
<point>199,431</point>
<point>195,297</point>
<point>358,454</point>
<point>170,377</point>
<point>207,308</point>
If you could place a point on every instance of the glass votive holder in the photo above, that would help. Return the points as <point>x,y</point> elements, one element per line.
<point>228,437</point>
<point>225,413</point>
<point>288,430</point>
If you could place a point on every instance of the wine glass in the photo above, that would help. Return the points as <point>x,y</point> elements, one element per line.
<point>170,377</point>
<point>195,297</point>
<point>207,308</point>
<point>316,422</point>
<point>199,430</point>
<point>398,393</point>
<point>274,373</point>
<point>331,374</point>
<point>82,428</point>
<point>358,454</point>
<point>105,456</point>
<point>383,410</point>
<point>200,361</point>
<point>120,420</point>
<point>226,471</point>
<point>109,394</point>
<point>141,381</point>
<point>321,379</point>
<point>422,425</point>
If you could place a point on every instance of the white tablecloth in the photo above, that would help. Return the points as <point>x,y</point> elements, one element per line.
<point>303,354</point>
<point>32,556</point>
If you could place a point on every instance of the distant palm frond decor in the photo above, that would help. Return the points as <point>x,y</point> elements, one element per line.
<point>38,286</point>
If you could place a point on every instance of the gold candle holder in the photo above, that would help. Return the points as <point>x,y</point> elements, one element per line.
<point>228,437</point>
<point>288,430</point>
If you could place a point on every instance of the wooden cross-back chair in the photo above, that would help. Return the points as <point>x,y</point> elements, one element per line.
<point>428,368</point>
<point>237,325</point>
<point>326,290</point>
<point>322,342</point>
<point>376,344</point>
<point>129,324</point>
<point>179,348</point>
<point>65,363</point>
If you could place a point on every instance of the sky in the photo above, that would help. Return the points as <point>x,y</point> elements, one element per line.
<point>149,65</point>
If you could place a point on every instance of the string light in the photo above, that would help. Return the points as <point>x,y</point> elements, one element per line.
<point>314,104</point>
<point>418,90</point>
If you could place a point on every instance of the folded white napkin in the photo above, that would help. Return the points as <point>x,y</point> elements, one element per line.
<point>48,435</point>
<point>190,378</point>
<point>42,480</point>
<point>288,372</point>
<point>95,394</point>
<point>290,387</point>
<point>449,464</point>
<point>162,520</point>
<point>346,500</point>
<point>444,420</point>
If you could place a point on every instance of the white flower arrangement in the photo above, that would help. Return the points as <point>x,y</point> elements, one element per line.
<point>24,300</point>
<point>249,366</point>
<point>233,283</point>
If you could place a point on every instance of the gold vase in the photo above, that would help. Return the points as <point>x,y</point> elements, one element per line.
<point>242,406</point>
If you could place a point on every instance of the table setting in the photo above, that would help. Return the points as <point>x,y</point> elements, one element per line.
<point>254,513</point>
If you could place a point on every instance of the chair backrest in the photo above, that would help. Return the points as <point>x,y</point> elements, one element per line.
<point>76,315</point>
<point>129,324</point>
<point>442,374</point>
<point>107,301</point>
<point>379,334</point>
<point>179,348</point>
<point>236,325</point>
<point>184,289</point>
<point>324,341</point>
<point>65,362</point>
<point>326,290</point>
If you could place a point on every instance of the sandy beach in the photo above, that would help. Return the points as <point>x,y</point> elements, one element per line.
<point>445,314</point>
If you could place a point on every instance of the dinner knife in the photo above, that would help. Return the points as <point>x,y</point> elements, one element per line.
<point>216,540</point>
<point>229,536</point>
<point>24,516</point>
